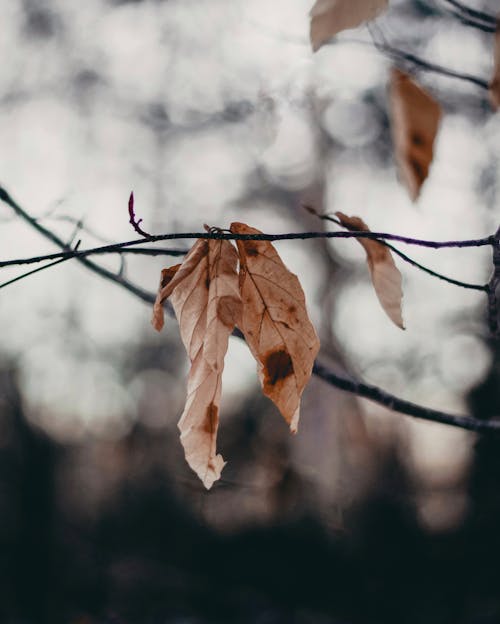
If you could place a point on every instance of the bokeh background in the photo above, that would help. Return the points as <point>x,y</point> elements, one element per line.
<point>213,111</point>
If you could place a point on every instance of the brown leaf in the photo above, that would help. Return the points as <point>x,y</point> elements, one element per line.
<point>275,323</point>
<point>415,121</point>
<point>167,276</point>
<point>386,277</point>
<point>205,296</point>
<point>495,81</point>
<point>328,17</point>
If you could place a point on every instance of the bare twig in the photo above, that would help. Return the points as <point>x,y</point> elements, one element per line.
<point>376,394</point>
<point>408,57</point>
<point>37,270</point>
<point>68,252</point>
<point>133,219</point>
<point>129,246</point>
<point>474,14</point>
<point>403,256</point>
<point>470,17</point>
<point>470,22</point>
<point>356,387</point>
<point>213,234</point>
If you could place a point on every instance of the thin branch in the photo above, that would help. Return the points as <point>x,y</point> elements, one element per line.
<point>469,17</point>
<point>213,234</point>
<point>37,270</point>
<point>403,256</point>
<point>469,22</point>
<point>392,402</point>
<point>134,222</point>
<point>473,13</point>
<point>67,252</point>
<point>83,228</point>
<point>408,57</point>
<point>128,246</point>
<point>440,276</point>
<point>359,388</point>
<point>149,251</point>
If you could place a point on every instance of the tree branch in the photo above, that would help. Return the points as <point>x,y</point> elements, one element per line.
<point>392,402</point>
<point>474,14</point>
<point>68,252</point>
<point>408,57</point>
<point>129,246</point>
<point>359,388</point>
<point>493,287</point>
<point>403,256</point>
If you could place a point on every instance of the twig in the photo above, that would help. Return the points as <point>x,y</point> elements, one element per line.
<point>473,13</point>
<point>376,394</point>
<point>403,256</point>
<point>136,290</point>
<point>133,220</point>
<point>359,388</point>
<point>215,235</point>
<point>408,57</point>
<point>37,270</point>
<point>469,22</point>
<point>469,17</point>
<point>128,246</point>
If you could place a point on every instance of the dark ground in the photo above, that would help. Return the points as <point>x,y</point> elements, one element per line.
<point>145,557</point>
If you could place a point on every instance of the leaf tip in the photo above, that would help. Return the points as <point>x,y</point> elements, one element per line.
<point>213,473</point>
<point>294,423</point>
<point>157,321</point>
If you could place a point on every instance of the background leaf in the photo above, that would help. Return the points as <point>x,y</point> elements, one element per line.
<point>328,17</point>
<point>415,121</point>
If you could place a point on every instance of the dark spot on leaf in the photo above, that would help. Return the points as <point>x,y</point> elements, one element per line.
<point>251,248</point>
<point>207,283</point>
<point>212,418</point>
<point>277,365</point>
<point>417,139</point>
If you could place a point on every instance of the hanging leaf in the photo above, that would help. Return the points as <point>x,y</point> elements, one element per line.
<point>205,296</point>
<point>495,81</point>
<point>386,277</point>
<point>415,121</point>
<point>275,324</point>
<point>328,17</point>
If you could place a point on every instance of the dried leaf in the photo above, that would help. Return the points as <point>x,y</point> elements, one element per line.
<point>205,296</point>
<point>275,324</point>
<point>415,121</point>
<point>328,17</point>
<point>495,81</point>
<point>385,275</point>
<point>167,276</point>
